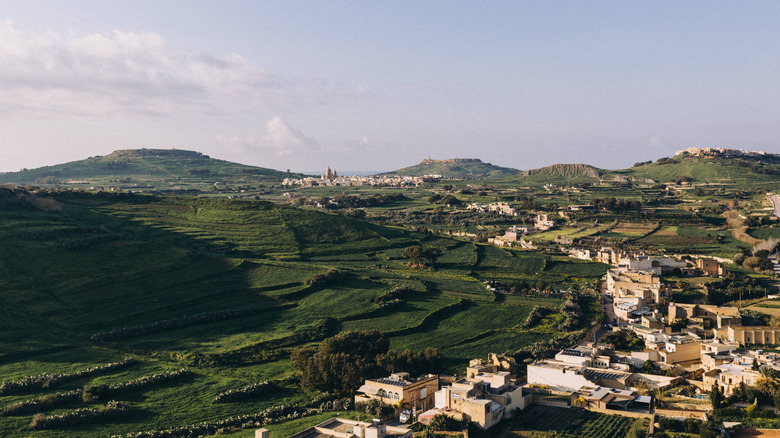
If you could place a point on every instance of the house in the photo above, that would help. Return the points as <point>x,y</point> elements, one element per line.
<point>680,348</point>
<point>641,262</point>
<point>630,309</point>
<point>344,428</point>
<point>580,207</point>
<point>732,374</point>
<point>578,253</point>
<point>619,400</point>
<point>485,396</point>
<point>705,316</point>
<point>399,387</point>
<point>640,284</point>
<point>509,237</point>
<point>578,367</point>
<point>542,222</point>
<point>716,352</point>
<point>502,208</point>
<point>712,267</point>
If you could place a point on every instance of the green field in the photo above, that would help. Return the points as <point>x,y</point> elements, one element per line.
<point>187,282</point>
<point>562,422</point>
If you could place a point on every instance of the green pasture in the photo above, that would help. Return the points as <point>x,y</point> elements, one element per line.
<point>151,261</point>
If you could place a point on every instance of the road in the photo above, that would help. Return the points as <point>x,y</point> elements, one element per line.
<point>776,203</point>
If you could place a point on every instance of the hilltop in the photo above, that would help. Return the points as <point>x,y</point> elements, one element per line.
<point>146,169</point>
<point>713,166</point>
<point>465,168</point>
<point>558,173</point>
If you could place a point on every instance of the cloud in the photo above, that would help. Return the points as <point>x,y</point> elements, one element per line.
<point>123,72</point>
<point>280,138</point>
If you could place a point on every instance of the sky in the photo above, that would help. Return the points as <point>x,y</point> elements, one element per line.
<point>380,85</point>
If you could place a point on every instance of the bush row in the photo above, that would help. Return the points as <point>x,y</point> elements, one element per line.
<point>34,234</point>
<point>87,241</point>
<point>268,416</point>
<point>441,312</point>
<point>40,404</point>
<point>170,324</point>
<point>31,383</point>
<point>89,393</point>
<point>243,393</point>
<point>537,314</point>
<point>266,350</point>
<point>110,410</point>
<point>397,293</point>
<point>100,391</point>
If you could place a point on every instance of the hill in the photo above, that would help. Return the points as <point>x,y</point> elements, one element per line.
<point>464,168</point>
<point>226,289</point>
<point>558,173</point>
<point>145,170</point>
<point>712,166</point>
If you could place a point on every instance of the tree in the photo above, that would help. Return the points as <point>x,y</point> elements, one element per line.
<point>443,422</point>
<point>580,402</point>
<point>716,397</point>
<point>421,255</point>
<point>776,399</point>
<point>767,382</point>
<point>340,364</point>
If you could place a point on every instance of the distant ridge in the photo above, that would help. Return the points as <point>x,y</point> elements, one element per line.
<point>566,171</point>
<point>167,153</point>
<point>147,170</point>
<point>465,168</point>
<point>696,165</point>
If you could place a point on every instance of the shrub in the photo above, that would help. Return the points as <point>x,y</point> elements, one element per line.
<point>243,393</point>
<point>31,383</point>
<point>328,277</point>
<point>110,410</point>
<point>170,324</point>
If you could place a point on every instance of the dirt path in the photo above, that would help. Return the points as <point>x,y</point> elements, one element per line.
<point>737,224</point>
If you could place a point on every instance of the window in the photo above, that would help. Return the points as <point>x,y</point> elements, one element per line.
<point>396,396</point>
<point>382,393</point>
<point>423,392</point>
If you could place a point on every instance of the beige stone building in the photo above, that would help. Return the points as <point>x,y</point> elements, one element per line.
<point>711,267</point>
<point>485,396</point>
<point>705,316</point>
<point>344,428</point>
<point>753,335</point>
<point>739,370</point>
<point>640,284</point>
<point>400,390</point>
<point>680,349</point>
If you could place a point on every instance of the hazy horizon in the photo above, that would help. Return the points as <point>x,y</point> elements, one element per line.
<point>303,85</point>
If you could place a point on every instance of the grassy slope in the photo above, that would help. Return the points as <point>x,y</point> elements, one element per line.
<point>456,169</point>
<point>171,257</point>
<point>166,166</point>
<point>701,170</point>
<point>710,170</point>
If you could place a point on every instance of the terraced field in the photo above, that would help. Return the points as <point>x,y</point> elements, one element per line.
<point>220,288</point>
